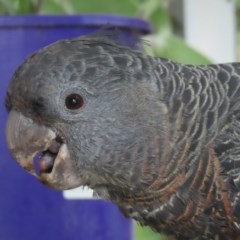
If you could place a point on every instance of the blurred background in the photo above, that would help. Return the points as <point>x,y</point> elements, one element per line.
<point>188,31</point>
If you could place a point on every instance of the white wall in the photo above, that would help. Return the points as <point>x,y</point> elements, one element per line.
<point>210,28</point>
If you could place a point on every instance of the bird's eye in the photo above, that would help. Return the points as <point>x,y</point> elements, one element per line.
<point>74,101</point>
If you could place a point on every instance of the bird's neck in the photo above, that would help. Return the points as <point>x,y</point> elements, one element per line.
<point>186,201</point>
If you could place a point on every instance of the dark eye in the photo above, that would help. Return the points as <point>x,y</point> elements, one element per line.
<point>74,101</point>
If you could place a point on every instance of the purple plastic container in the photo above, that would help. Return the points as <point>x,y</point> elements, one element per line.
<point>28,210</point>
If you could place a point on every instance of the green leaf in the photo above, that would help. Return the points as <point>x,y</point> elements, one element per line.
<point>172,47</point>
<point>57,7</point>
<point>25,6</point>
<point>6,7</point>
<point>155,11</point>
<point>145,233</point>
<point>123,7</point>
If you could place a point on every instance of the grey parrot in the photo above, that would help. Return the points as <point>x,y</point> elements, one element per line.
<point>158,138</point>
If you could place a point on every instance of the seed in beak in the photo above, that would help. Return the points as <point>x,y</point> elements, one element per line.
<point>45,162</point>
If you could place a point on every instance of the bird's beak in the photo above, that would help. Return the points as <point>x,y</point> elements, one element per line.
<point>28,141</point>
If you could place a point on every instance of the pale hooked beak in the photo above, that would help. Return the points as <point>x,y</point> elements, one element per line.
<point>28,141</point>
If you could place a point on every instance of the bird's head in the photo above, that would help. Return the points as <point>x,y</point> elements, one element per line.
<point>88,112</point>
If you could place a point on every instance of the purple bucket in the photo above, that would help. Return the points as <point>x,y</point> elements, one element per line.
<point>29,210</point>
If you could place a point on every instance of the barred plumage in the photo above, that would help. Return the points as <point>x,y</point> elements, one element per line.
<point>199,193</point>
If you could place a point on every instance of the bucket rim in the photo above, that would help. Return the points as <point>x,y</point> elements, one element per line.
<point>61,20</point>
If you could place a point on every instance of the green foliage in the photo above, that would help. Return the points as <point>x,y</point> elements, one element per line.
<point>123,7</point>
<point>163,41</point>
<point>145,233</point>
<point>175,48</point>
<point>20,6</point>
